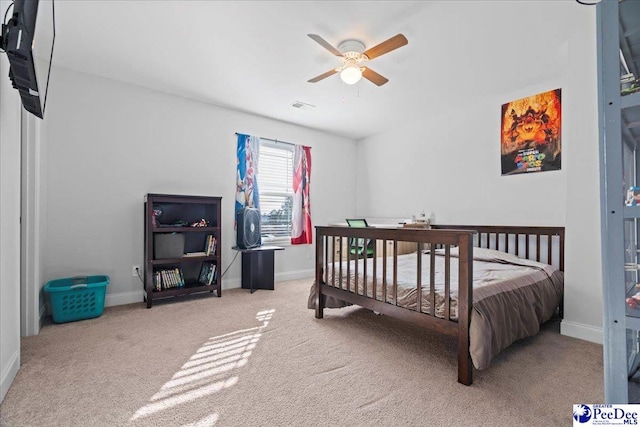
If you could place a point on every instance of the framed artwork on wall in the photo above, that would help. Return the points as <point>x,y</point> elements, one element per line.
<point>530,139</point>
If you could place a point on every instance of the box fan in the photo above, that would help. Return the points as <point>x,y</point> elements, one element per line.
<point>248,228</point>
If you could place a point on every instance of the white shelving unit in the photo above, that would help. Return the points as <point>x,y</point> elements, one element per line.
<point>619,55</point>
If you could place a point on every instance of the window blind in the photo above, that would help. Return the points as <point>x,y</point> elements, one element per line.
<point>276,189</point>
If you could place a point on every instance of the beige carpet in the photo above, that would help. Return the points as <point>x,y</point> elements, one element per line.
<point>262,359</point>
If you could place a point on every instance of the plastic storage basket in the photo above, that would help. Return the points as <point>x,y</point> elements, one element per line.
<point>77,298</point>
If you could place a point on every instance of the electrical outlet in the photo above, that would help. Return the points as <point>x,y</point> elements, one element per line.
<point>135,270</point>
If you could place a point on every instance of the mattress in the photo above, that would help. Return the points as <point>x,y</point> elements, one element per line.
<point>512,296</point>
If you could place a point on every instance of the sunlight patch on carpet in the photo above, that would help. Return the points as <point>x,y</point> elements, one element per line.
<point>211,369</point>
<point>205,422</point>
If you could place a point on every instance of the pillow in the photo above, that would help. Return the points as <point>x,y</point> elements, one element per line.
<point>485,254</point>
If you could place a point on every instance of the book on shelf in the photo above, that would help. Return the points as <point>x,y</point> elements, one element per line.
<point>190,254</point>
<point>168,279</point>
<point>208,273</point>
<point>210,245</point>
<point>212,274</point>
<point>157,281</point>
<point>177,272</point>
<point>163,280</point>
<point>203,273</point>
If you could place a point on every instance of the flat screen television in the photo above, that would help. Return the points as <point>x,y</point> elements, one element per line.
<point>28,38</point>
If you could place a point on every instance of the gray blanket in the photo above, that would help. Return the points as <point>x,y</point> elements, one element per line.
<point>512,296</point>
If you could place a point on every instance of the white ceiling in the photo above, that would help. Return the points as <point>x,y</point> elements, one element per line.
<point>256,56</point>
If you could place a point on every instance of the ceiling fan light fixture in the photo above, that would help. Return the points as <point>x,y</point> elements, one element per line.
<point>354,57</point>
<point>351,74</point>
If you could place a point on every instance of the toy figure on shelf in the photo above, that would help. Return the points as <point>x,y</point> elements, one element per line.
<point>633,196</point>
<point>633,301</point>
<point>202,223</point>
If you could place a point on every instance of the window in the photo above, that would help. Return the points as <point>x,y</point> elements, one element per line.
<point>275,184</point>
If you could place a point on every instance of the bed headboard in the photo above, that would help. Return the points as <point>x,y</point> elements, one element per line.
<point>535,243</point>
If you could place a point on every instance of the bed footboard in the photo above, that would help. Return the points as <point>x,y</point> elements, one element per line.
<point>341,267</point>
<point>347,274</point>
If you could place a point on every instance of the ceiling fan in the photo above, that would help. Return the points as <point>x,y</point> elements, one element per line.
<point>354,58</point>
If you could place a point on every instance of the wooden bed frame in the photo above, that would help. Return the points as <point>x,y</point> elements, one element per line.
<point>525,242</point>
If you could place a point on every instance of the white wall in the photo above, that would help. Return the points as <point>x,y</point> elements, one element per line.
<point>32,298</point>
<point>108,144</point>
<point>449,162</point>
<point>583,289</point>
<point>9,228</point>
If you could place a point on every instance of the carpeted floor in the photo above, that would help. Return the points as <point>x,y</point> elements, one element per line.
<point>262,359</point>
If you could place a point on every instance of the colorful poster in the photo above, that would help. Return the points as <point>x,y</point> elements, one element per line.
<point>531,134</point>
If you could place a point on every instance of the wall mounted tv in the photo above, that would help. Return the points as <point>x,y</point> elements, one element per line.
<point>28,38</point>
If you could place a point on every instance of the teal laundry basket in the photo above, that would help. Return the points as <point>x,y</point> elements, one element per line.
<point>76,298</point>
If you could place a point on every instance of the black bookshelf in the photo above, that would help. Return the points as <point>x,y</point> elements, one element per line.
<point>174,218</point>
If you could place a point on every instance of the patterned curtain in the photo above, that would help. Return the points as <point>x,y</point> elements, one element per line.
<point>301,228</point>
<point>246,176</point>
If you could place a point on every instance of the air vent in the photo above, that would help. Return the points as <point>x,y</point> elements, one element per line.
<point>302,105</point>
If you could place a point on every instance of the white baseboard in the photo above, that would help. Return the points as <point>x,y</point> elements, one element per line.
<point>581,331</point>
<point>122,298</point>
<point>280,277</point>
<point>295,275</point>
<point>231,283</point>
<point>9,374</point>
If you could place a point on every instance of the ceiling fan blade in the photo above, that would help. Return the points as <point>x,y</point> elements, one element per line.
<point>322,42</point>
<point>386,46</point>
<point>322,76</point>
<point>374,77</point>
